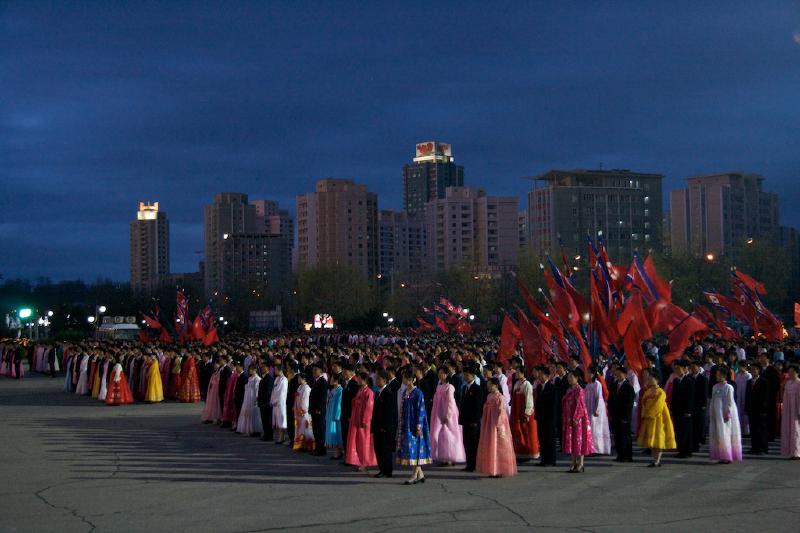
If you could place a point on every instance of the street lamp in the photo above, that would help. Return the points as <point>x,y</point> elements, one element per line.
<point>102,308</point>
<point>709,257</point>
<point>385,314</point>
<point>390,320</point>
<point>750,240</point>
<point>90,319</point>
<point>49,313</point>
<point>472,317</point>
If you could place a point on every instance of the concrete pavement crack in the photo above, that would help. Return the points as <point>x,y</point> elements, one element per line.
<point>73,512</point>
<point>502,505</point>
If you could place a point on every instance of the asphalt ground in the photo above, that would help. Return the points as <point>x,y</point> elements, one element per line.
<point>72,464</point>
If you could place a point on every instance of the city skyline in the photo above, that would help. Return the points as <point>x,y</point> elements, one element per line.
<point>230,100</point>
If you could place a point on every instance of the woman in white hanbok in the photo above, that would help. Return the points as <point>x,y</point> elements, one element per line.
<point>278,402</point>
<point>249,421</point>
<point>83,380</point>
<point>741,379</point>
<point>104,382</point>
<point>596,408</point>
<point>725,437</point>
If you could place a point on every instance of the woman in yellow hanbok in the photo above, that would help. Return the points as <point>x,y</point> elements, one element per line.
<point>155,391</point>
<point>656,431</point>
<point>96,380</point>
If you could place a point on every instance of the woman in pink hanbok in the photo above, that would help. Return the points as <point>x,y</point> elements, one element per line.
<point>212,411</point>
<point>576,427</point>
<point>495,448</point>
<point>447,445</point>
<point>790,421</point>
<point>360,451</point>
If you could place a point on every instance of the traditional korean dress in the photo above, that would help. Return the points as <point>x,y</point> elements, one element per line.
<point>118,391</point>
<point>524,432</point>
<point>742,379</point>
<point>598,417</point>
<point>101,395</point>
<point>229,407</point>
<point>411,449</point>
<point>656,429</point>
<point>333,419</point>
<point>303,432</point>
<point>495,448</point>
<point>83,379</point>
<point>447,443</point>
<point>790,421</point>
<point>212,411</point>
<point>96,380</point>
<point>360,450</point>
<point>724,432</point>
<point>576,429</point>
<point>249,421</point>
<point>154,392</point>
<point>190,386</point>
<point>175,379</point>
<point>278,401</point>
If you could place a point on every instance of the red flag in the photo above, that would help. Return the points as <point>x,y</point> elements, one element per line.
<point>797,315</point>
<point>703,314</point>
<point>198,331</point>
<point>632,347</point>
<point>633,315</point>
<point>441,325</point>
<point>664,288</point>
<point>606,334</point>
<point>165,336</point>
<point>509,337</point>
<point>424,325</point>
<point>532,349</point>
<point>663,316</point>
<point>143,336</point>
<point>462,326</point>
<point>680,336</point>
<point>751,283</point>
<point>563,304</point>
<point>151,322</point>
<point>211,337</point>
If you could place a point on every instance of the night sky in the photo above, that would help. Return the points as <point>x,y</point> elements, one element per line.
<point>104,104</point>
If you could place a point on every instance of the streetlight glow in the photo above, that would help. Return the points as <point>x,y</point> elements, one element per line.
<point>25,313</point>
<point>90,319</point>
<point>102,308</point>
<point>709,256</point>
<point>385,314</point>
<point>49,313</point>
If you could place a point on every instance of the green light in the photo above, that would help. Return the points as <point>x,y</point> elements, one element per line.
<point>25,313</point>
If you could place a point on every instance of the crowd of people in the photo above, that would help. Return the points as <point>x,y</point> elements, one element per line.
<point>376,401</point>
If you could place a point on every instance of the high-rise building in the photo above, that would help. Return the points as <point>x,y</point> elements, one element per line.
<point>468,228</point>
<point>427,178</point>
<point>401,243</point>
<point>625,206</point>
<point>522,226</point>
<point>149,239</point>
<point>337,224</point>
<point>718,213</point>
<point>230,214</point>
<point>255,266</point>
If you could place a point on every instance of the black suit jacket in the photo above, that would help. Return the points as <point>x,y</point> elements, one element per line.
<point>384,413</point>
<point>457,381</point>
<point>348,393</point>
<point>700,388</point>
<point>265,391</point>
<point>757,397</point>
<point>620,403</point>
<point>682,397</point>
<point>318,400</point>
<point>471,408</point>
<point>545,404</point>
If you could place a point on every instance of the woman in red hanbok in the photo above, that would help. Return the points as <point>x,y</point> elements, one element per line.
<point>523,423</point>
<point>190,387</point>
<point>229,408</point>
<point>118,392</point>
<point>360,451</point>
<point>495,450</point>
<point>576,427</point>
<point>175,378</point>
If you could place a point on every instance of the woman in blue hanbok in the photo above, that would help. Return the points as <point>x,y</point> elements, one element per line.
<point>413,435</point>
<point>333,418</point>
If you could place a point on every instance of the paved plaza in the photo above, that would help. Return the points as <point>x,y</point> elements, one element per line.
<point>71,464</point>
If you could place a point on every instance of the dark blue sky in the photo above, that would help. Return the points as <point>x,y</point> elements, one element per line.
<point>103,104</point>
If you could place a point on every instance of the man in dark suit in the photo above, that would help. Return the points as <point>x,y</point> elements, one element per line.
<point>238,392</point>
<point>384,424</point>
<point>469,417</point>
<point>699,407</point>
<point>620,407</point>
<point>545,414</point>
<point>771,375</point>
<point>681,407</point>
<point>292,371</point>
<point>349,391</point>
<point>757,407</point>
<point>204,371</point>
<point>456,380</point>
<point>317,406</point>
<point>263,400</point>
